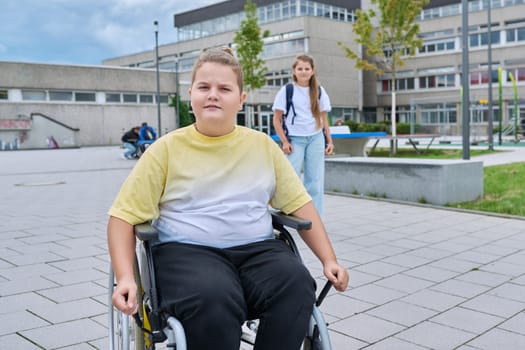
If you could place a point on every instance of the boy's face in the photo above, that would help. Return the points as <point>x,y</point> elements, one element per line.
<point>215,99</point>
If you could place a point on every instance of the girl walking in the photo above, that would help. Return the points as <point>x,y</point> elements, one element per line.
<point>303,129</point>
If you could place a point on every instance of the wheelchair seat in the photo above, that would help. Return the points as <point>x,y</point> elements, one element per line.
<point>151,326</point>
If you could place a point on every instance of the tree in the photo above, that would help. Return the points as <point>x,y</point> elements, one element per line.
<point>386,47</point>
<point>184,111</point>
<point>249,45</point>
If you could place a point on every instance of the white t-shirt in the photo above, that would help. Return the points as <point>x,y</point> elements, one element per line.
<point>304,122</point>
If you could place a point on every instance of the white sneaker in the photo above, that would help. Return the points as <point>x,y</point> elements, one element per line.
<point>123,156</point>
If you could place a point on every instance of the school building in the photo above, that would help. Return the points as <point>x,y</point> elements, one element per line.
<point>428,86</point>
<point>96,103</point>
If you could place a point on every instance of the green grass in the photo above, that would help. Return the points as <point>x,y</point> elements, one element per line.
<point>503,185</point>
<point>437,153</point>
<point>504,191</point>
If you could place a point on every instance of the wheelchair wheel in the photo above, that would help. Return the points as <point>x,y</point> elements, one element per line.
<point>127,335</point>
<point>124,333</point>
<point>312,343</point>
<point>317,337</point>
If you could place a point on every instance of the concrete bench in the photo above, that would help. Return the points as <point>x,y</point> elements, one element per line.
<point>432,181</point>
<point>349,144</point>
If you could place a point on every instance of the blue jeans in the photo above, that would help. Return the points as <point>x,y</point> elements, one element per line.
<point>130,149</point>
<point>308,155</point>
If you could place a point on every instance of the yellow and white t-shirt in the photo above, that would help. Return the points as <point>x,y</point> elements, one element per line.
<point>211,191</point>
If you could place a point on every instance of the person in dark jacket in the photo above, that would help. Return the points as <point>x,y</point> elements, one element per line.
<point>129,142</point>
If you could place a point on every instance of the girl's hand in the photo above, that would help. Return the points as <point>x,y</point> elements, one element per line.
<point>329,149</point>
<point>287,147</point>
<point>336,274</point>
<point>124,297</point>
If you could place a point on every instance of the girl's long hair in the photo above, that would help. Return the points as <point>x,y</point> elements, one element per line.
<point>313,87</point>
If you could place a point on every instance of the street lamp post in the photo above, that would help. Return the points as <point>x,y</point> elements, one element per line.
<point>156,24</point>
<point>177,101</point>
<point>491,109</point>
<point>465,81</point>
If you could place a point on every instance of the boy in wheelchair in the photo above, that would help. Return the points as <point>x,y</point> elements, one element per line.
<point>207,187</point>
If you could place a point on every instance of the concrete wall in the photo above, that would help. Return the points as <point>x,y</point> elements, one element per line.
<point>431,181</point>
<point>100,122</point>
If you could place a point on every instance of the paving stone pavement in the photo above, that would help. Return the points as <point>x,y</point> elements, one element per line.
<point>421,277</point>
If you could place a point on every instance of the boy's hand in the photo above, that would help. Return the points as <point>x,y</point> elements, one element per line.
<point>336,274</point>
<point>124,297</point>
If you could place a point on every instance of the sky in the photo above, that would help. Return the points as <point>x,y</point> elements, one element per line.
<point>85,32</point>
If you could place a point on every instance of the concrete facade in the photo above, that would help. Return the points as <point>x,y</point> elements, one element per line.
<point>99,121</point>
<point>429,85</point>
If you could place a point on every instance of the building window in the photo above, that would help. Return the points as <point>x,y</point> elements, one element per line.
<point>437,46</point>
<point>85,97</point>
<point>129,98</point>
<point>110,97</point>
<point>145,98</point>
<point>435,114</point>
<point>278,78</point>
<point>283,48</point>
<point>518,73</point>
<point>266,14</point>
<point>482,77</point>
<point>515,34</point>
<point>3,95</point>
<point>34,95</point>
<point>436,81</point>
<point>402,84</point>
<point>60,96</point>
<point>482,39</point>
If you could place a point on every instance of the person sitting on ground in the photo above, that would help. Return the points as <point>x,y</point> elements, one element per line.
<point>207,187</point>
<point>147,132</point>
<point>129,142</point>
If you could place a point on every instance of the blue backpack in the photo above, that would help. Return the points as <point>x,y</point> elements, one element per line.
<point>289,104</point>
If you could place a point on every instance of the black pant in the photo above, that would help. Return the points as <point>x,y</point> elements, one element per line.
<point>213,291</point>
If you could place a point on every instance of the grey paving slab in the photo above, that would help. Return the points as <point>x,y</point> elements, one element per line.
<point>367,328</point>
<point>16,321</point>
<point>15,341</point>
<point>393,343</point>
<point>68,311</point>
<point>73,292</point>
<point>494,305</point>
<point>402,313</point>
<point>65,334</point>
<point>467,320</point>
<point>435,336</point>
<point>499,339</point>
<point>421,277</point>
<point>24,301</point>
<point>341,306</point>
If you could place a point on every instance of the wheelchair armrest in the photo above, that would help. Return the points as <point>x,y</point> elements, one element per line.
<point>146,232</point>
<point>280,218</point>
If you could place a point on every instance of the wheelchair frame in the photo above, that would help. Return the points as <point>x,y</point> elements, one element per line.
<point>149,328</point>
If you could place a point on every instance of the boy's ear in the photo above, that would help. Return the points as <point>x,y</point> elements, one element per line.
<point>243,98</point>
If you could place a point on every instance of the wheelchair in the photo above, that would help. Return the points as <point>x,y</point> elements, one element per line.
<point>150,327</point>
